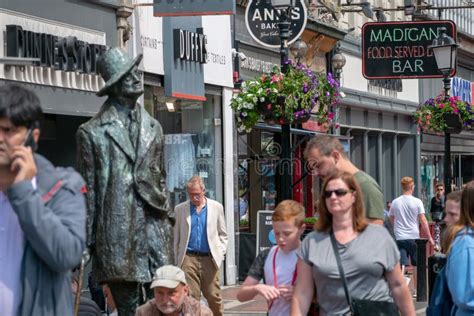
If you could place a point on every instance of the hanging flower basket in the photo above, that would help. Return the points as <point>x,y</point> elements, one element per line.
<point>437,115</point>
<point>290,98</point>
<point>267,114</point>
<point>453,123</point>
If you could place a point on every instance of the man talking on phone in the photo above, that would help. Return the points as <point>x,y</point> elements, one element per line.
<point>42,215</point>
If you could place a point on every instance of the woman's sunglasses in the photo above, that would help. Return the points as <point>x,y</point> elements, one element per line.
<point>339,193</point>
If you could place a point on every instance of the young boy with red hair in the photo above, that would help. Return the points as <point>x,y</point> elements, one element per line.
<point>277,265</point>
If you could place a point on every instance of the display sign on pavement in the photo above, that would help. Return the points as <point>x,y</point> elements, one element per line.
<point>400,49</point>
<point>265,234</point>
<point>262,22</point>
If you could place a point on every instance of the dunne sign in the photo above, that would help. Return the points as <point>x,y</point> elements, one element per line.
<point>400,49</point>
<point>262,22</point>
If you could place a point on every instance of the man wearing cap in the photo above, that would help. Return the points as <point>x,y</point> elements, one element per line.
<point>171,296</point>
<point>120,155</point>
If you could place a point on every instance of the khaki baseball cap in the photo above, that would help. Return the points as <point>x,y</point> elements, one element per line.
<point>169,277</point>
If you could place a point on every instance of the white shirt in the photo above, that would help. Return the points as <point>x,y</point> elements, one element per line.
<point>12,246</point>
<point>406,209</point>
<point>285,264</point>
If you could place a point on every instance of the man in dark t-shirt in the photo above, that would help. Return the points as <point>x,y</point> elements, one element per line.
<point>437,203</point>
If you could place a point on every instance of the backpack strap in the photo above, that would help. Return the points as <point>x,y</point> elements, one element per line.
<point>49,195</point>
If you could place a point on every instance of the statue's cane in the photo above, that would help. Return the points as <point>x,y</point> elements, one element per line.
<point>84,260</point>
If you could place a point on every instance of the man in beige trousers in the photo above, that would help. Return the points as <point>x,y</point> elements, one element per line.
<point>200,243</point>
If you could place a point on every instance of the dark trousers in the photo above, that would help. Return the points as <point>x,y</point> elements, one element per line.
<point>129,295</point>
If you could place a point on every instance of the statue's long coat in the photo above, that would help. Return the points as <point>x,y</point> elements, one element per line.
<point>129,226</point>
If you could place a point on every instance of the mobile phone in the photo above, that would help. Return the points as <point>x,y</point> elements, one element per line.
<point>30,141</point>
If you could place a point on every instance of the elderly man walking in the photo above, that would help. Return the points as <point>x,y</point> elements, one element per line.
<point>200,242</point>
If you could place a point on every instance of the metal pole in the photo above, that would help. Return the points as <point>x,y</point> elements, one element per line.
<point>447,141</point>
<point>421,270</point>
<point>285,165</point>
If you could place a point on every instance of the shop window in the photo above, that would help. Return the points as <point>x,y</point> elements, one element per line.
<point>192,141</point>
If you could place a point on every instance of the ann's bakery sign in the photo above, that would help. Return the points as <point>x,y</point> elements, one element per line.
<point>67,54</point>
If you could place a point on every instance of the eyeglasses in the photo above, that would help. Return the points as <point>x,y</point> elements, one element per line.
<point>339,193</point>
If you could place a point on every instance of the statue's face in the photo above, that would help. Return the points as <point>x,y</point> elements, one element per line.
<point>131,84</point>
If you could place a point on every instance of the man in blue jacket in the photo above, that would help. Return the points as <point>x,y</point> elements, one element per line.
<point>42,215</point>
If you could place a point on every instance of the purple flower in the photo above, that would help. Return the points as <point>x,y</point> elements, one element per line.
<point>305,87</point>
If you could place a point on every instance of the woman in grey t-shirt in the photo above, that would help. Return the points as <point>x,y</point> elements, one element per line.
<point>369,256</point>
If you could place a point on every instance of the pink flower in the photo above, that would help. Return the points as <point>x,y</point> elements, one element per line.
<point>275,78</point>
<point>331,115</point>
<point>441,105</point>
<point>269,106</point>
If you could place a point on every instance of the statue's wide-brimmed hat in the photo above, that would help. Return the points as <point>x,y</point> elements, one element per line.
<point>113,65</point>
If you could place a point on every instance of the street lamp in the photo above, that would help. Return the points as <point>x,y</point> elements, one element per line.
<point>338,61</point>
<point>299,50</point>
<point>444,49</point>
<point>284,12</point>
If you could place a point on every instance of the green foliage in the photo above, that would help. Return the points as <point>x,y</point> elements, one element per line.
<point>310,220</point>
<point>244,222</point>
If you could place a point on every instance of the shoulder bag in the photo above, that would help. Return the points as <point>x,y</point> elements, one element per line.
<point>361,307</point>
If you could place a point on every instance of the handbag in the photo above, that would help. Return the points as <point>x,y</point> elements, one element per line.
<point>360,307</point>
<point>441,302</point>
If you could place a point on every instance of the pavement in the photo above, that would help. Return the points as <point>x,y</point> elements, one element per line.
<point>258,306</point>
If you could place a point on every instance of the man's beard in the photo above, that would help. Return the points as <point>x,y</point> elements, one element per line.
<point>168,308</point>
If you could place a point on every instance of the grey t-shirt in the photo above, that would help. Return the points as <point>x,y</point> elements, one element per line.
<point>365,259</point>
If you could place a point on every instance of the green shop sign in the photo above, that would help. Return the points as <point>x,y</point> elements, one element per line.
<point>400,49</point>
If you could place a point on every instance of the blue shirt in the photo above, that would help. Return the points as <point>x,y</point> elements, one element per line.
<point>460,274</point>
<point>198,237</point>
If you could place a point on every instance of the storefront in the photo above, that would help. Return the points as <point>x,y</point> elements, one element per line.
<point>65,78</point>
<point>462,145</point>
<point>188,85</point>
<point>377,117</point>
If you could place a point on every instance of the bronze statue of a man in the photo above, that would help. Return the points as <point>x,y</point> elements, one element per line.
<point>120,155</point>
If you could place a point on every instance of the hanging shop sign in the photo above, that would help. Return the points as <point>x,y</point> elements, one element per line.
<point>68,54</point>
<point>148,32</point>
<point>262,22</point>
<point>190,46</point>
<point>218,67</point>
<point>400,49</point>
<point>193,7</point>
<point>184,57</point>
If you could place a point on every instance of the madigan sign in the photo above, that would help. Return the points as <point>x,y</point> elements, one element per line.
<point>400,49</point>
